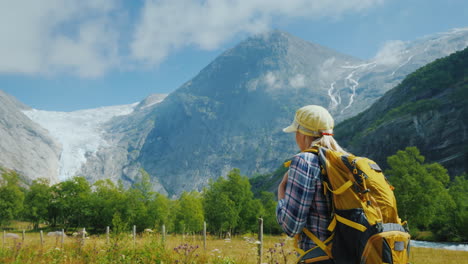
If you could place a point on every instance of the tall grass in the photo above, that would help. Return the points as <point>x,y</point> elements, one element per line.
<point>149,248</point>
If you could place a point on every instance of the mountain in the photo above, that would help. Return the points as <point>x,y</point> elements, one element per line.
<point>89,147</point>
<point>25,146</point>
<point>360,86</point>
<point>231,114</point>
<point>429,110</point>
<point>125,136</point>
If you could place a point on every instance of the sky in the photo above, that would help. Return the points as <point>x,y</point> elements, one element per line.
<point>67,55</point>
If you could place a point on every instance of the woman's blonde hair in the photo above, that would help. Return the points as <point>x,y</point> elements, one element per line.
<point>330,143</point>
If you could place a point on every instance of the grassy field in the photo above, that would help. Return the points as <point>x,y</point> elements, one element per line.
<point>149,248</point>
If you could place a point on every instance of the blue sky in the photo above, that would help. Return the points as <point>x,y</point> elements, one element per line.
<point>65,55</point>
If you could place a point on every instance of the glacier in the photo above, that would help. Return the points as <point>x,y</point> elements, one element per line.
<point>80,133</point>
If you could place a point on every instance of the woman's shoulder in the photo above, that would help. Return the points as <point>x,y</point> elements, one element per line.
<point>308,157</point>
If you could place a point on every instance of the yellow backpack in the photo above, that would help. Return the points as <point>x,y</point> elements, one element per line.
<point>365,225</point>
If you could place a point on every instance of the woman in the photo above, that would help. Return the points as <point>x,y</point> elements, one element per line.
<point>301,199</point>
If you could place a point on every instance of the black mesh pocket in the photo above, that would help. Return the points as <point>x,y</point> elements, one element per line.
<point>349,243</point>
<point>386,252</point>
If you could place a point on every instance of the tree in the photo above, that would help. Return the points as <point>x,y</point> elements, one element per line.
<point>11,197</point>
<point>270,225</point>
<point>247,210</point>
<point>229,204</point>
<point>143,184</point>
<point>118,225</point>
<point>251,210</point>
<point>220,213</point>
<point>160,212</point>
<point>37,201</point>
<point>136,211</point>
<point>420,189</point>
<point>459,192</point>
<point>70,202</point>
<point>189,215</point>
<point>105,201</point>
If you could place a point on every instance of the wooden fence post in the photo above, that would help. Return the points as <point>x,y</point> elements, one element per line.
<point>42,238</point>
<point>4,236</point>
<point>204,235</point>
<point>23,237</point>
<point>63,236</point>
<point>83,237</point>
<point>134,235</point>
<point>107,234</point>
<point>164,234</point>
<point>260,239</point>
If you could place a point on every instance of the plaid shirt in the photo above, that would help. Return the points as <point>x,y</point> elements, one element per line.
<point>304,204</point>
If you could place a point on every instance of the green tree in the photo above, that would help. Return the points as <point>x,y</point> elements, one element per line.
<point>143,184</point>
<point>37,201</point>
<point>118,224</point>
<point>251,210</point>
<point>270,225</point>
<point>220,212</point>
<point>247,209</point>
<point>136,211</point>
<point>459,191</point>
<point>189,215</point>
<point>229,204</point>
<point>420,189</point>
<point>11,197</point>
<point>70,203</point>
<point>138,202</point>
<point>161,213</point>
<point>106,200</point>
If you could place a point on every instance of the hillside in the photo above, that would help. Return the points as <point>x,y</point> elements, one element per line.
<point>231,114</point>
<point>429,110</point>
<point>25,146</point>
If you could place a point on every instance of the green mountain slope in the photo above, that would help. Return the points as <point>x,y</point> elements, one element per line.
<point>427,110</point>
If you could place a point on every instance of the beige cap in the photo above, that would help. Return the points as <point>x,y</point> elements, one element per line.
<point>312,120</point>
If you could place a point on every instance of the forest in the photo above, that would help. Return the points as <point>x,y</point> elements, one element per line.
<point>434,206</point>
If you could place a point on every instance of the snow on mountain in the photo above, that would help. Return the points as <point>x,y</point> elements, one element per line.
<point>360,85</point>
<point>80,133</point>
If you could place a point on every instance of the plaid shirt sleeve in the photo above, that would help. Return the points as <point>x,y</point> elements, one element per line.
<point>292,212</point>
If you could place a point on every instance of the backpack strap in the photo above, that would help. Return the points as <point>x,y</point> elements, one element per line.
<point>319,242</point>
<point>340,190</point>
<point>345,221</point>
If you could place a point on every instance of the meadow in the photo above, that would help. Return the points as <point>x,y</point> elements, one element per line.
<point>152,248</point>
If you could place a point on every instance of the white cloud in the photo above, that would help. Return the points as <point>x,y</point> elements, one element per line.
<point>392,53</point>
<point>271,81</point>
<point>326,68</point>
<point>297,81</point>
<point>83,38</point>
<point>46,37</point>
<point>168,25</point>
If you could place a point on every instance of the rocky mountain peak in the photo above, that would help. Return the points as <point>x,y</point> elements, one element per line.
<point>10,101</point>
